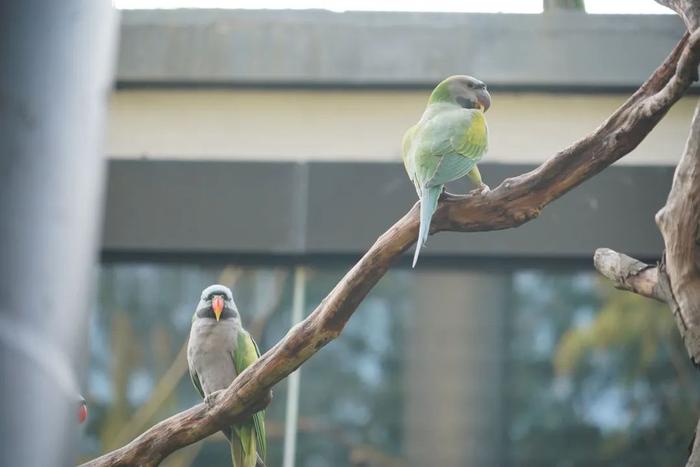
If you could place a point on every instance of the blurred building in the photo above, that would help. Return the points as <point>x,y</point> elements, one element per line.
<point>245,144</point>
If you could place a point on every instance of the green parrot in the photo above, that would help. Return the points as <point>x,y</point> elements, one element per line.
<point>218,350</point>
<point>447,142</point>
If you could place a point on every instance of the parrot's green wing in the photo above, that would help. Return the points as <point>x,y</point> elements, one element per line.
<point>196,383</point>
<point>246,353</point>
<point>450,145</point>
<point>406,144</point>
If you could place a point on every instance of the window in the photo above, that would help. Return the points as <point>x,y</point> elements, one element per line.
<point>447,366</point>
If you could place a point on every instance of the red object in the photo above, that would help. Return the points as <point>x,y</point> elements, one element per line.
<point>217,304</point>
<point>82,412</point>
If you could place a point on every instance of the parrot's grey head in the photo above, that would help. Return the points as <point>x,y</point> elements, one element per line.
<point>217,302</point>
<point>465,91</point>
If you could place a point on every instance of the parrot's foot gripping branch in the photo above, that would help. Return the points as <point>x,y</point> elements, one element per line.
<point>482,189</point>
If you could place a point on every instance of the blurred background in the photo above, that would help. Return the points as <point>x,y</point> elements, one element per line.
<point>253,147</point>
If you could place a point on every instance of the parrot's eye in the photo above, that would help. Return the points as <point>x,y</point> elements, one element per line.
<point>470,85</point>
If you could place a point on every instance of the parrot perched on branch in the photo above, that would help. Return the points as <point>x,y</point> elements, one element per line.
<point>218,350</point>
<point>447,142</point>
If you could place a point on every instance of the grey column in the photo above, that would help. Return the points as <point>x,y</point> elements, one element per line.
<point>55,75</point>
<point>455,368</point>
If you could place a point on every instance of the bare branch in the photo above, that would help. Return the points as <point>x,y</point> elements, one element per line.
<point>511,204</point>
<point>630,274</point>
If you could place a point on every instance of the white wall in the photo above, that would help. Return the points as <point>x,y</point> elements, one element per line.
<point>355,125</point>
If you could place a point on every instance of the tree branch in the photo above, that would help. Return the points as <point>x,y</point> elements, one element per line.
<point>630,274</point>
<point>512,203</point>
<point>678,222</point>
<point>676,280</point>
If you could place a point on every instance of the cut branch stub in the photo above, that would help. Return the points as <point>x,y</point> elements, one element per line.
<point>628,273</point>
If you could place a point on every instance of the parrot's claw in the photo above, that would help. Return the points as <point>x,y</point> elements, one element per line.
<point>481,190</point>
<point>209,398</point>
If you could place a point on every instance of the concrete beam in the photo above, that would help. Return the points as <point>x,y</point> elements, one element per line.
<point>312,48</point>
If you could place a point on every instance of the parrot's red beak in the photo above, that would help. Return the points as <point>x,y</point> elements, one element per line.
<point>217,304</point>
<point>82,412</point>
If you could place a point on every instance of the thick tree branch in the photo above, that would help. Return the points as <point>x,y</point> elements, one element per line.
<point>514,202</point>
<point>630,274</point>
<point>677,280</point>
<point>678,222</point>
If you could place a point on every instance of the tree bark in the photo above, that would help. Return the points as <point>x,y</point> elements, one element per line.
<point>512,203</point>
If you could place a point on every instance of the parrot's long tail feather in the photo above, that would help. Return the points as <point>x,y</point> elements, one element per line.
<point>236,451</point>
<point>428,204</point>
<point>243,447</point>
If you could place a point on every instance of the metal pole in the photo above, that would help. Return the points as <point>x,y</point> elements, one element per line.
<point>292,416</point>
<point>55,75</point>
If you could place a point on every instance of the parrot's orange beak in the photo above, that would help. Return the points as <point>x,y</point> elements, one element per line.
<point>217,304</point>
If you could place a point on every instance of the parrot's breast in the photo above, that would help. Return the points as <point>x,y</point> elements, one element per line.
<point>477,132</point>
<point>210,353</point>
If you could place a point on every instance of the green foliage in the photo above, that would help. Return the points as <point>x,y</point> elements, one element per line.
<point>614,377</point>
<point>632,326</point>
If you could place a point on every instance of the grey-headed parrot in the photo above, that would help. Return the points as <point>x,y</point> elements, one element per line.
<point>218,350</point>
<point>446,144</point>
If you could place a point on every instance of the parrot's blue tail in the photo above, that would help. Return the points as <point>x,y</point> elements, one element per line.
<point>428,204</point>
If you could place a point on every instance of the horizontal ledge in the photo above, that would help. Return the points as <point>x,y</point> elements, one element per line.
<point>316,47</point>
<point>545,88</point>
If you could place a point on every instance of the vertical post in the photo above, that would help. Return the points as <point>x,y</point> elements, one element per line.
<point>455,369</point>
<point>292,416</point>
<point>55,74</point>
